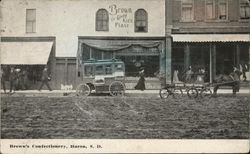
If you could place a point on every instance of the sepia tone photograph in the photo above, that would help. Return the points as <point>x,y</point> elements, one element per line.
<point>124,69</point>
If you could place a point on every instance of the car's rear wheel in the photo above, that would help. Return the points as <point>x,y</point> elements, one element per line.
<point>83,90</point>
<point>117,88</point>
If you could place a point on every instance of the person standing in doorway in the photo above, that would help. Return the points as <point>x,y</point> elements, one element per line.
<point>141,82</point>
<point>45,79</point>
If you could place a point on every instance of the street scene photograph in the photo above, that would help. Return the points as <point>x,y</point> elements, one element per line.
<point>125,69</point>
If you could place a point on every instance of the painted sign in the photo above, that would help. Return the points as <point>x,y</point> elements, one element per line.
<point>120,17</point>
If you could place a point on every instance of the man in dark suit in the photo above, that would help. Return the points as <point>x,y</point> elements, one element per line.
<point>12,78</point>
<point>45,79</point>
<point>3,78</point>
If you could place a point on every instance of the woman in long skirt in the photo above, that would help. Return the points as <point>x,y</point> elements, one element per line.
<point>141,82</point>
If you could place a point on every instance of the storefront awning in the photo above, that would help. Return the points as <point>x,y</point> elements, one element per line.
<point>118,45</point>
<point>25,53</point>
<point>211,37</point>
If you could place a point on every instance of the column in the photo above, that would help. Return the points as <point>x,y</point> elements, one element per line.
<point>186,56</point>
<point>237,56</point>
<point>212,65</point>
<point>168,59</point>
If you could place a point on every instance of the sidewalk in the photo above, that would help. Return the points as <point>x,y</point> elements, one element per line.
<point>243,91</point>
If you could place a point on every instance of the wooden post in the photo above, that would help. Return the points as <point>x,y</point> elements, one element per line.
<point>186,57</point>
<point>168,60</point>
<point>237,56</point>
<point>212,61</point>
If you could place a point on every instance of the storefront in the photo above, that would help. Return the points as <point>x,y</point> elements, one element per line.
<point>28,58</point>
<point>216,53</point>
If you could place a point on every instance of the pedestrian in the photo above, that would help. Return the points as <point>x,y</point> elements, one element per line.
<point>141,82</point>
<point>3,78</point>
<point>244,70</point>
<point>45,79</point>
<point>12,79</point>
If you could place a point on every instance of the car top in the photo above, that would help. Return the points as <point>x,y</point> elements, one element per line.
<point>101,62</point>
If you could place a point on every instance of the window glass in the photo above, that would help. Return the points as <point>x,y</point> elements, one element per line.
<point>30,20</point>
<point>102,20</point>
<point>141,21</point>
<point>89,70</point>
<point>107,55</point>
<point>210,9</point>
<point>99,70</point>
<point>187,10</point>
<point>108,69</point>
<point>96,54</point>
<point>85,52</point>
<point>223,10</point>
<point>119,67</point>
<point>244,9</point>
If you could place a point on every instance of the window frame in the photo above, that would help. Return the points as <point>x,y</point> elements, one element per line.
<point>218,10</point>
<point>192,11</point>
<point>136,20</point>
<point>240,18</point>
<point>102,29</point>
<point>213,11</point>
<point>33,22</point>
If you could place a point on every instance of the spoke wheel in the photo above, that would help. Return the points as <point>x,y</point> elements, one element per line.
<point>117,88</point>
<point>192,93</point>
<point>206,92</point>
<point>164,93</point>
<point>83,90</point>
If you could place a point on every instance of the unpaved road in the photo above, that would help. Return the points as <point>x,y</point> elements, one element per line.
<point>137,117</point>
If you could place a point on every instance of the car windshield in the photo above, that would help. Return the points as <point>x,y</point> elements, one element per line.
<point>99,70</point>
<point>89,71</point>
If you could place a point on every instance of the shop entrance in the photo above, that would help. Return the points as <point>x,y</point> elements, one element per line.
<point>133,64</point>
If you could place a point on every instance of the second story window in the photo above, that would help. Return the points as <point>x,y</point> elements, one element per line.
<point>102,20</point>
<point>141,21</point>
<point>244,9</point>
<point>210,9</point>
<point>187,10</point>
<point>30,20</point>
<point>222,12</point>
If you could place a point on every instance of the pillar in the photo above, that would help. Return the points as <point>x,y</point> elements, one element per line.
<point>237,56</point>
<point>186,56</point>
<point>212,61</point>
<point>168,60</point>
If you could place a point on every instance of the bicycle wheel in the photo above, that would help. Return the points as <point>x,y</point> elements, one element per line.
<point>192,93</point>
<point>164,93</point>
<point>206,92</point>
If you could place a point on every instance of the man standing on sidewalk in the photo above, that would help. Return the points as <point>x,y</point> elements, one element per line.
<point>45,79</point>
<point>3,78</point>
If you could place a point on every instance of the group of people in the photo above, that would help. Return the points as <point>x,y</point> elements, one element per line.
<point>18,78</point>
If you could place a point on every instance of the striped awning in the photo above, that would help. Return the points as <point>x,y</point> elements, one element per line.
<point>25,53</point>
<point>211,37</point>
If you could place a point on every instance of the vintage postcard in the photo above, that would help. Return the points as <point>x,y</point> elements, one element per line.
<point>125,76</point>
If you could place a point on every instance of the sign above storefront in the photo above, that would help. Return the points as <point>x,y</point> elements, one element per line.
<point>120,17</point>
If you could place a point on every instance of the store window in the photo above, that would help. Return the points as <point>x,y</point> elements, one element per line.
<point>244,9</point>
<point>141,21</point>
<point>102,20</point>
<point>210,9</point>
<point>222,10</point>
<point>187,10</point>
<point>92,53</point>
<point>30,20</point>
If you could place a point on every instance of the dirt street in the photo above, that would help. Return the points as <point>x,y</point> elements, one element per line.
<point>223,117</point>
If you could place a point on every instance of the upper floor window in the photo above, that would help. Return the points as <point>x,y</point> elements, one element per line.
<point>210,9</point>
<point>30,20</point>
<point>244,9</point>
<point>102,20</point>
<point>141,21</point>
<point>222,12</point>
<point>187,10</point>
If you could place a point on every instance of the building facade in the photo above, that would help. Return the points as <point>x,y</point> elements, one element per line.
<point>159,35</point>
<point>210,34</point>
